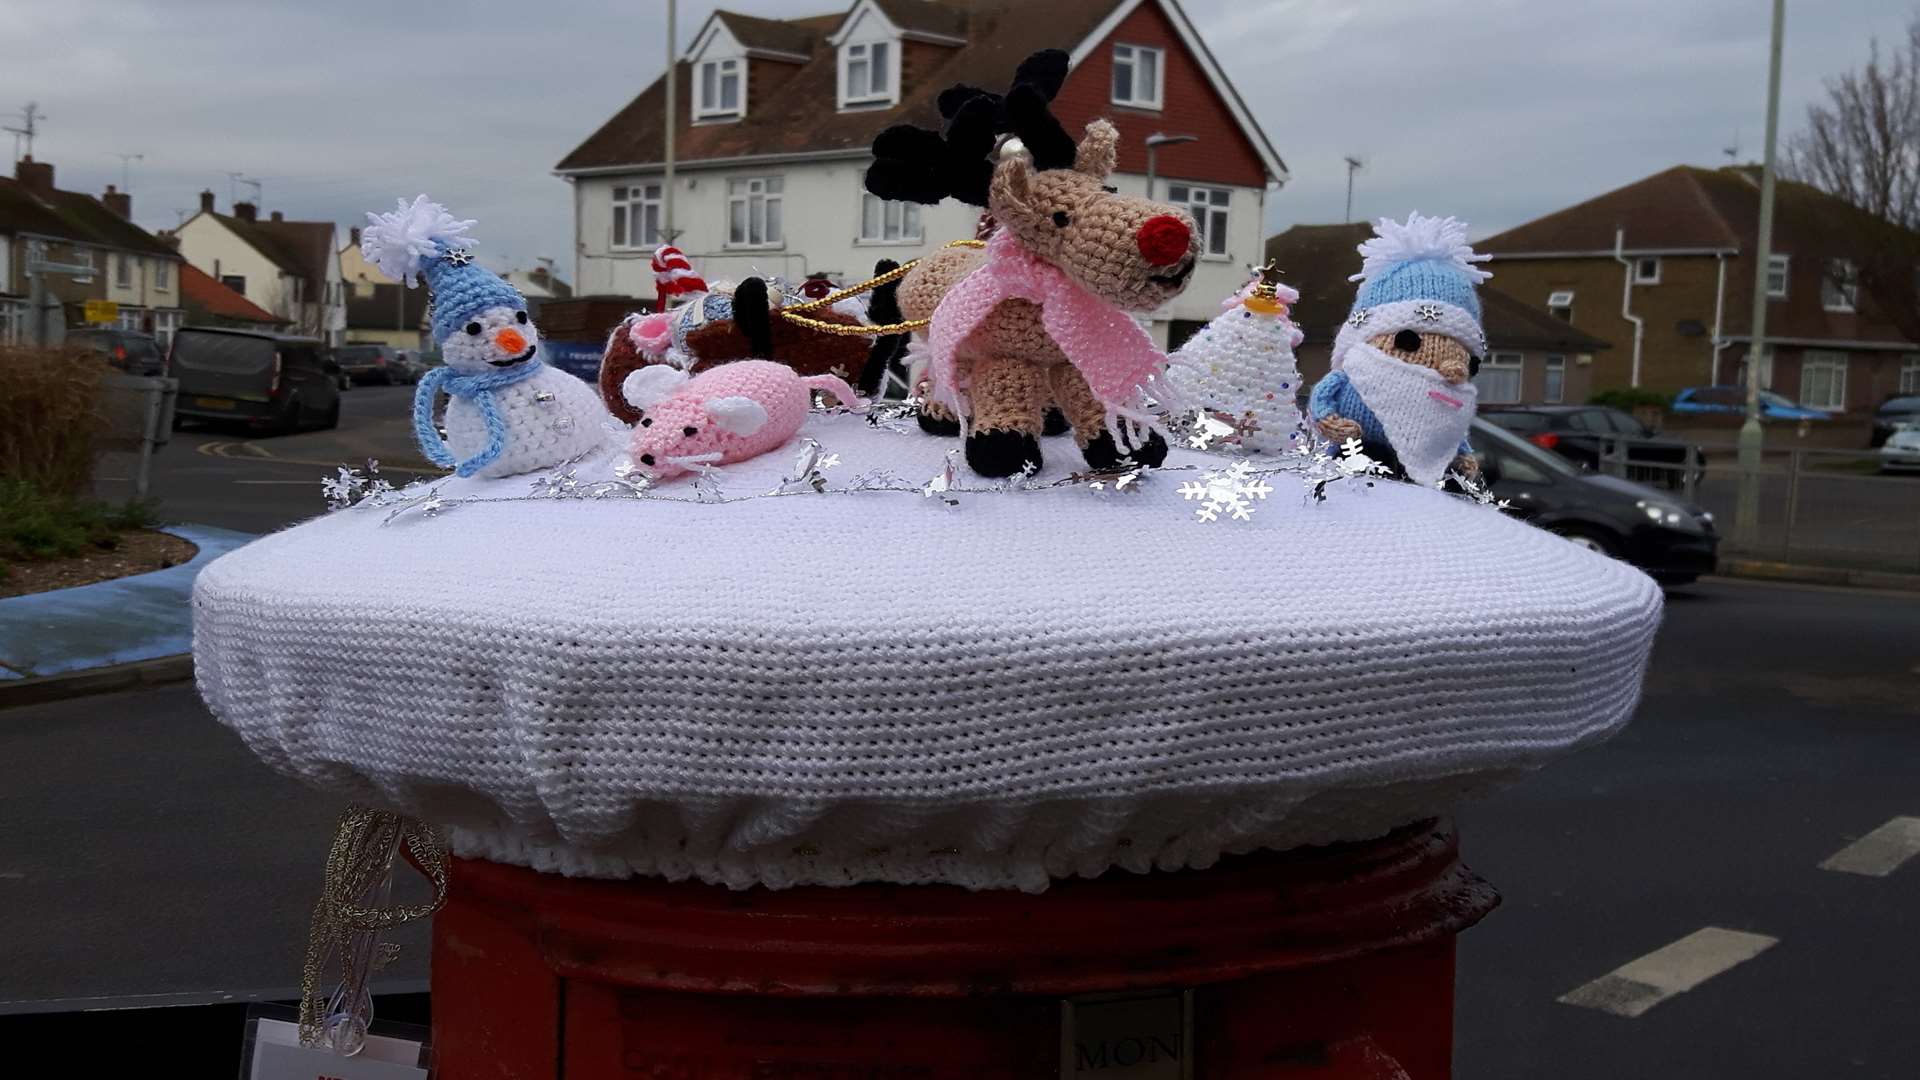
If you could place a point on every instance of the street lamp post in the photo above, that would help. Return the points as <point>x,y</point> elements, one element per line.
<point>1154,142</point>
<point>1746,521</point>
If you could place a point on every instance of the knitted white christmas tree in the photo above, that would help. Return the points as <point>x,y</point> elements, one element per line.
<point>1240,367</point>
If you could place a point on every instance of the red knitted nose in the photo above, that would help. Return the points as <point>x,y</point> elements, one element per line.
<point>1163,240</point>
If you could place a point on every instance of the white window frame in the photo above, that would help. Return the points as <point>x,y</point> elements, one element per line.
<point>862,53</point>
<point>1503,362</point>
<point>1130,56</point>
<point>1909,376</point>
<point>1640,277</point>
<point>627,209</point>
<point>1838,296</point>
<point>1780,265</point>
<point>122,271</point>
<point>1213,215</point>
<point>724,67</point>
<point>163,275</point>
<point>1549,393</point>
<point>1560,299</point>
<point>766,194</point>
<point>1833,365</point>
<point>886,222</point>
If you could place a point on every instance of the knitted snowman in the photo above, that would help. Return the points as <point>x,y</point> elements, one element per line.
<point>507,411</point>
<point>1240,367</point>
<point>1402,362</point>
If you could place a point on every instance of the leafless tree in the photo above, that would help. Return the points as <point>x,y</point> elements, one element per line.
<point>1862,144</point>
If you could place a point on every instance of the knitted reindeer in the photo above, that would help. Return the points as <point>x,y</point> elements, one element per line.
<point>1040,315</point>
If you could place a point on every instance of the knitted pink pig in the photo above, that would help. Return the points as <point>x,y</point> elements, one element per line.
<point>725,414</point>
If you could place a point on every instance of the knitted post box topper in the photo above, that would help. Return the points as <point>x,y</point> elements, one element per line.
<point>731,413</point>
<point>1402,360</point>
<point>1040,316</point>
<point>507,411</point>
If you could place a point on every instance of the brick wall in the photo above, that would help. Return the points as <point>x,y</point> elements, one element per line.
<point>1671,357</point>
<point>1190,106</point>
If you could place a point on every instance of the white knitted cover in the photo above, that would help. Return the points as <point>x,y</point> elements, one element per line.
<point>551,417</point>
<point>878,687</point>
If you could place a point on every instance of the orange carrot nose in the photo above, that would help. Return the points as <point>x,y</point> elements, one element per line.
<point>510,342</point>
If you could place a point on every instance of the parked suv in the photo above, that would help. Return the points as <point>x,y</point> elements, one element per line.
<point>1672,540</point>
<point>1585,434</point>
<point>377,363</point>
<point>1892,414</point>
<point>133,353</point>
<point>283,383</point>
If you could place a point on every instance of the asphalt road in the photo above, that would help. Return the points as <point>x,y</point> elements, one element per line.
<point>238,479</point>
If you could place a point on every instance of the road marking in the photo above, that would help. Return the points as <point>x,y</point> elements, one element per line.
<point>302,483</point>
<point>1881,851</point>
<point>1635,987</point>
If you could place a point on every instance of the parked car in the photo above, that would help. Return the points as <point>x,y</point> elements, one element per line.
<point>267,380</point>
<point>1901,451</point>
<point>133,353</point>
<point>1892,413</point>
<point>377,363</point>
<point>1733,399</point>
<point>1672,540</point>
<point>1585,434</point>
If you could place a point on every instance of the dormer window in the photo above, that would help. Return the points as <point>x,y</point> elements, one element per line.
<point>719,93</point>
<point>868,75</point>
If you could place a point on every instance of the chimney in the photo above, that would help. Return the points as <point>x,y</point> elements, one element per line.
<point>206,202</point>
<point>353,236</point>
<point>245,211</point>
<point>275,216</point>
<point>35,176</point>
<point>119,202</point>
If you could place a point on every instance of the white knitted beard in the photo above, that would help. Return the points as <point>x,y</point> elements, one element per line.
<point>1426,416</point>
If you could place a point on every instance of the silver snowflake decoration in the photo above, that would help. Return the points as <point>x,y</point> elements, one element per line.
<point>1359,318</point>
<point>433,504</point>
<point>458,257</point>
<point>1428,312</point>
<point>940,485</point>
<point>342,488</point>
<point>1231,490</point>
<point>1207,428</point>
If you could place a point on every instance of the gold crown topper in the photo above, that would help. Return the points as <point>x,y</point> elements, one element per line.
<point>1265,297</point>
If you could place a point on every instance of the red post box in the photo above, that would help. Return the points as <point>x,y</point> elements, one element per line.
<point>1319,962</point>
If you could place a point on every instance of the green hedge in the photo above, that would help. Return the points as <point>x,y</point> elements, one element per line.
<point>1630,398</point>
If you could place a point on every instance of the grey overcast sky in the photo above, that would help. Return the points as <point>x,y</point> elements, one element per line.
<point>1494,110</point>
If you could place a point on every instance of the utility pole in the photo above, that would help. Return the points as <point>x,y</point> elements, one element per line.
<point>673,78</point>
<point>126,169</point>
<point>1353,166</point>
<point>1747,513</point>
<point>29,117</point>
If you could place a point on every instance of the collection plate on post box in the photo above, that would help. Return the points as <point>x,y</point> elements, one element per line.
<point>1127,1036</point>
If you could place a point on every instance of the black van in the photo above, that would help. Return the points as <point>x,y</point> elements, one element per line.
<point>271,381</point>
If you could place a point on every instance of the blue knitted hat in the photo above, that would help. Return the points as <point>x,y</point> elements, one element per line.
<point>1417,275</point>
<point>422,240</point>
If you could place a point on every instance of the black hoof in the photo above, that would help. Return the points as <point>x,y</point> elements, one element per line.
<point>1104,455</point>
<point>1055,423</point>
<point>1002,453</point>
<point>939,425</point>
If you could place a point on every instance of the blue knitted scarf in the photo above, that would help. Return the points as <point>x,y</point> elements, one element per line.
<point>478,389</point>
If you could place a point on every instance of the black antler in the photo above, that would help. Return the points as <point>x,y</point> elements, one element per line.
<point>917,165</point>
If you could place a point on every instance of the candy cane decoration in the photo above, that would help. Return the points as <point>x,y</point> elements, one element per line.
<point>673,273</point>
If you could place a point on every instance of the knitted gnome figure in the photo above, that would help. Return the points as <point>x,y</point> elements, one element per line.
<point>1240,367</point>
<point>507,411</point>
<point>1401,363</point>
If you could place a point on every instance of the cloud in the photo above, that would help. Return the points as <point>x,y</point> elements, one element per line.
<point>1497,111</point>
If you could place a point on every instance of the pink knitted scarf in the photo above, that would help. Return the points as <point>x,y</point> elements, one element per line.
<point>1117,357</point>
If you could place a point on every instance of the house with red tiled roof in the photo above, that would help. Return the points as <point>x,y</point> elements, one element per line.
<point>1674,252</point>
<point>1532,357</point>
<point>773,119</point>
<point>65,253</point>
<point>210,303</point>
<point>290,268</point>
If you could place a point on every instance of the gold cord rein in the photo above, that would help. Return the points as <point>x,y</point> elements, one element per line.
<point>794,314</point>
